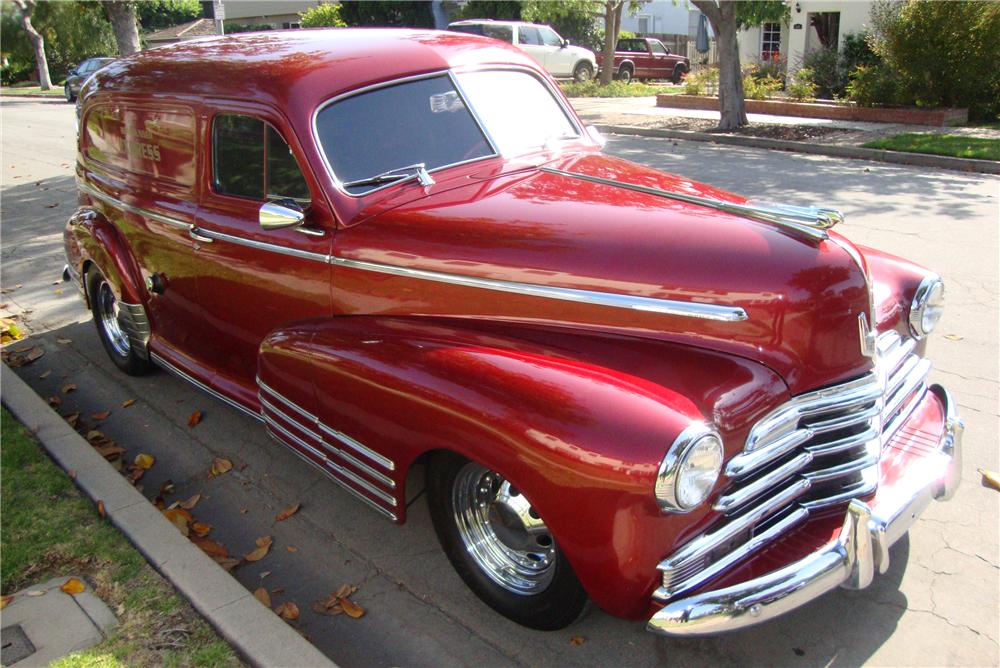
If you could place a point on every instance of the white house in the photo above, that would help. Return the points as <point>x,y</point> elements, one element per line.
<point>800,35</point>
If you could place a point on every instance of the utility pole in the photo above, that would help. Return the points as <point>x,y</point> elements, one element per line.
<point>219,14</point>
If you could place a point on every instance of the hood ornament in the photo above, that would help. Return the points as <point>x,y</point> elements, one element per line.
<point>812,222</point>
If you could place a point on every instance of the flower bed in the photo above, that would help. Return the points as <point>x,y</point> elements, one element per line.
<point>839,112</point>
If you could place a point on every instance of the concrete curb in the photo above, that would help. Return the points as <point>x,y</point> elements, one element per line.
<point>259,635</point>
<point>878,155</point>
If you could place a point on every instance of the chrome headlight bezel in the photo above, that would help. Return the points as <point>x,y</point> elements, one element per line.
<point>928,303</point>
<point>693,440</point>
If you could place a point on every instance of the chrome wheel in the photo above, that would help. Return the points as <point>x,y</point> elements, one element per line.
<point>502,533</point>
<point>107,311</point>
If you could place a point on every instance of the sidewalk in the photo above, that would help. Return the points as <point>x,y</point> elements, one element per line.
<point>641,116</point>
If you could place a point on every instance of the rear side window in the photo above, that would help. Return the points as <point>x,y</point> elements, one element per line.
<point>528,35</point>
<point>251,159</point>
<point>502,33</point>
<point>469,28</point>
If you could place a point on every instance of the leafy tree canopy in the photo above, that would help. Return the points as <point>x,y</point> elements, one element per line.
<point>326,15</point>
<point>751,13</point>
<point>158,14</point>
<point>413,14</point>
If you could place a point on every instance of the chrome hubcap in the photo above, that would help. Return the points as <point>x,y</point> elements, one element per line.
<point>502,532</point>
<point>107,309</point>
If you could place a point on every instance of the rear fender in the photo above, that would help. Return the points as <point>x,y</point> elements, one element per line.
<point>583,440</point>
<point>92,240</point>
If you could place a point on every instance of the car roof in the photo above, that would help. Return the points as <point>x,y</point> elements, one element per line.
<point>470,22</point>
<point>298,67</point>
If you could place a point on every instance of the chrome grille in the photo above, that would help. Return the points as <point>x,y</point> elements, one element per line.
<point>816,451</point>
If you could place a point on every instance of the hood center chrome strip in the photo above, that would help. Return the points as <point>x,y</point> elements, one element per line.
<point>813,222</point>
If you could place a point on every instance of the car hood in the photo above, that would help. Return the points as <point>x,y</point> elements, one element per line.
<point>802,297</point>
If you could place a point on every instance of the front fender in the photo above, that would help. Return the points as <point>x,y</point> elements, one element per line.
<point>580,422</point>
<point>90,238</point>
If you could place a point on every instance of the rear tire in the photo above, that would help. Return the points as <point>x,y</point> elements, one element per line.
<point>68,92</point>
<point>104,306</point>
<point>583,72</point>
<point>499,545</point>
<point>625,74</point>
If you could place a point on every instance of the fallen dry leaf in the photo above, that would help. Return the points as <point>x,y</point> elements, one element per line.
<point>100,509</point>
<point>35,593</point>
<point>201,529</point>
<point>160,503</point>
<point>287,512</point>
<point>953,337</point>
<point>220,466</point>
<point>109,451</point>
<point>576,641</point>
<point>263,546</point>
<point>320,609</point>
<point>194,419</point>
<point>63,341</point>
<point>73,418</point>
<point>288,611</point>
<point>227,563</point>
<point>243,511</point>
<point>45,374</point>
<point>54,401</point>
<point>167,487</point>
<point>4,600</point>
<point>68,387</point>
<point>345,591</point>
<point>144,461</point>
<point>291,548</point>
<point>211,548</point>
<point>103,415</point>
<point>72,474</point>
<point>73,586</point>
<point>264,574</point>
<point>178,520</point>
<point>188,504</point>
<point>277,590</point>
<point>264,541</point>
<point>352,609</point>
<point>261,595</point>
<point>127,403</point>
<point>990,479</point>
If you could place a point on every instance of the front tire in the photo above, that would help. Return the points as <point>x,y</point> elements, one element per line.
<point>114,338</point>
<point>68,92</point>
<point>500,546</point>
<point>583,72</point>
<point>678,75</point>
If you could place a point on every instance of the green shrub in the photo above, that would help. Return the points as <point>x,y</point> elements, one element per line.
<point>232,29</point>
<point>802,88</point>
<point>874,85</point>
<point>943,54</point>
<point>594,88</point>
<point>759,88</point>
<point>828,76</point>
<point>325,15</point>
<point>703,82</point>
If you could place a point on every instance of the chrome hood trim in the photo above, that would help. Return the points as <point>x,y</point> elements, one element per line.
<point>812,222</point>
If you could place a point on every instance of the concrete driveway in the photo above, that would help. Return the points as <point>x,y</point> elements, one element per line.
<point>937,605</point>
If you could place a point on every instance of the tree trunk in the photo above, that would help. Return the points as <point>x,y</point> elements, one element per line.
<point>610,41</point>
<point>37,42</point>
<point>121,13</point>
<point>722,16</point>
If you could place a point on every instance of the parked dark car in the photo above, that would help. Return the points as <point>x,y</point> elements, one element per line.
<point>79,75</point>
<point>646,58</point>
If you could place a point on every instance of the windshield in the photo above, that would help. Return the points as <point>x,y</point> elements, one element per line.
<point>372,138</point>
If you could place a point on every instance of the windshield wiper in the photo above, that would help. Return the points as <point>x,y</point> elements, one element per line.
<point>419,172</point>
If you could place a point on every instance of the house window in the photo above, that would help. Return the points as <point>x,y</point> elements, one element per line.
<point>770,41</point>
<point>293,26</point>
<point>643,25</point>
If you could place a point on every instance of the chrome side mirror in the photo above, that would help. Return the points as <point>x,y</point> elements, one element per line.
<point>274,216</point>
<point>596,135</point>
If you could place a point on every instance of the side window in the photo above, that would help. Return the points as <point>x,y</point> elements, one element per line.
<point>528,35</point>
<point>470,28</point>
<point>658,48</point>
<point>549,37</point>
<point>250,159</point>
<point>502,33</point>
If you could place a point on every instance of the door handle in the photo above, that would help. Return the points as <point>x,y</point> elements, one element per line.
<point>193,233</point>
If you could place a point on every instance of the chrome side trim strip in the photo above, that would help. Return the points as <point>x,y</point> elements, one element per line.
<point>364,468</point>
<point>355,493</point>
<point>159,361</point>
<point>812,223</point>
<point>113,201</point>
<point>334,466</point>
<point>635,303</point>
<point>359,448</point>
<point>262,245</point>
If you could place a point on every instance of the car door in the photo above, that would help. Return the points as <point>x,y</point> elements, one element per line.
<point>530,40</point>
<point>558,60</point>
<point>662,64</point>
<point>252,280</point>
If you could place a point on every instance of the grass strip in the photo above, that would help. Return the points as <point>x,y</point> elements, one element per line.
<point>49,529</point>
<point>30,90</point>
<point>957,146</point>
<point>594,88</point>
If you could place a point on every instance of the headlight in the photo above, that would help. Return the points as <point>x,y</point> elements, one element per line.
<point>927,306</point>
<point>690,469</point>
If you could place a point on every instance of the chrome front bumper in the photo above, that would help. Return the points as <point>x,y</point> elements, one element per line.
<point>849,562</point>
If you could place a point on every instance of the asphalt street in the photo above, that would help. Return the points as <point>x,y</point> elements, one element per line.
<point>937,605</point>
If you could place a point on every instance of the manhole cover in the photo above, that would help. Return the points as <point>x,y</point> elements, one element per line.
<point>15,645</point>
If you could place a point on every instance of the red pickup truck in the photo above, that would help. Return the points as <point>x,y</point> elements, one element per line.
<point>646,58</point>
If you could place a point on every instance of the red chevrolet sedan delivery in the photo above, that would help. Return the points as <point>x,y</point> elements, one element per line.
<point>402,248</point>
